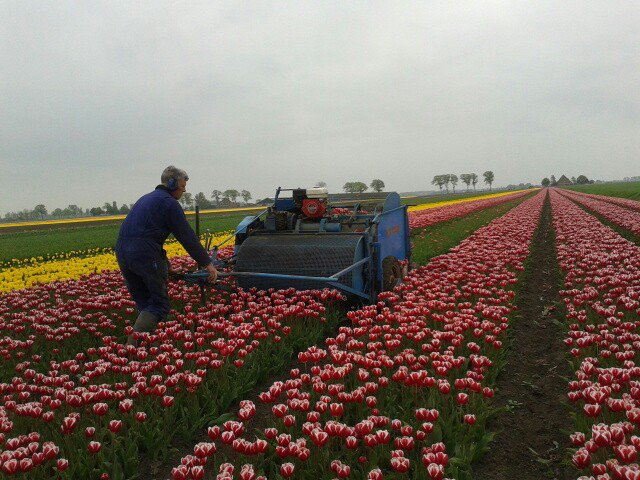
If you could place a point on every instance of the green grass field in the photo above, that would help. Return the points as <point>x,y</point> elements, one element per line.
<point>81,237</point>
<point>46,240</point>
<point>629,190</point>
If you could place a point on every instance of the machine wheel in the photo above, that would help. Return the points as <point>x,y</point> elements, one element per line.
<point>391,273</point>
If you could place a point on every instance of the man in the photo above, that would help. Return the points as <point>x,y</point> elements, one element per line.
<point>142,260</point>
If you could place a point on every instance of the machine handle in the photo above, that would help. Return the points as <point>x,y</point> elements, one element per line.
<point>201,278</point>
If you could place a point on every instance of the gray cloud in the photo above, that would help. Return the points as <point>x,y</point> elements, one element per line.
<point>97,97</point>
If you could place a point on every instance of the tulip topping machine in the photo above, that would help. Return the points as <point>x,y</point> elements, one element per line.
<point>360,248</point>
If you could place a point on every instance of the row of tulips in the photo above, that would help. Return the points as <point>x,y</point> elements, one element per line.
<point>21,262</point>
<point>432,216</point>
<point>401,392</point>
<point>624,217</point>
<point>601,295</point>
<point>622,202</point>
<point>46,317</point>
<point>77,401</point>
<point>18,276</point>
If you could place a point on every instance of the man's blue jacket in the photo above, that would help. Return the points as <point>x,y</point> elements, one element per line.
<point>153,217</point>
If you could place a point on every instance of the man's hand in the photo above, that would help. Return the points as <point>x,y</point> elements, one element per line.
<point>213,273</point>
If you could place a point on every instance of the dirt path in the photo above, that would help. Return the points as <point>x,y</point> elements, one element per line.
<point>532,435</point>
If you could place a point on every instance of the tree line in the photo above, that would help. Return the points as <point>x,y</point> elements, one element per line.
<point>40,212</point>
<point>219,198</point>
<point>376,185</point>
<point>444,180</point>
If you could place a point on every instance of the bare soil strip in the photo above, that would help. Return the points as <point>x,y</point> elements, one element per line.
<point>532,431</point>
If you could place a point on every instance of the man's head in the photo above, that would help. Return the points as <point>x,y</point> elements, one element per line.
<point>175,179</point>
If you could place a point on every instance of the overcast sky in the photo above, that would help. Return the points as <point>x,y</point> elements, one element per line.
<point>96,98</point>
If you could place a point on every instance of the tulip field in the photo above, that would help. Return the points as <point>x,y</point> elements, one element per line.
<point>295,384</point>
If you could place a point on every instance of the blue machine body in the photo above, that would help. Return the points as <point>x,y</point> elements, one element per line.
<point>359,253</point>
<point>393,231</point>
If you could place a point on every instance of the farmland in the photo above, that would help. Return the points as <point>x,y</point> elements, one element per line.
<point>44,239</point>
<point>508,351</point>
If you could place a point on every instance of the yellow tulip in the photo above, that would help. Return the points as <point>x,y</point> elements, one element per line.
<point>34,272</point>
<point>426,206</point>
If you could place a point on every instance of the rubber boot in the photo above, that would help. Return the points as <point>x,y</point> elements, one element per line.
<point>146,322</point>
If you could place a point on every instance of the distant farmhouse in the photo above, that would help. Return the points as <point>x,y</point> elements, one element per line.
<point>563,181</point>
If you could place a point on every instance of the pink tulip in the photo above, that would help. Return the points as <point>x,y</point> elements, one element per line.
<point>94,447</point>
<point>115,425</point>
<point>435,471</point>
<point>287,469</point>
<point>581,459</point>
<point>400,464</point>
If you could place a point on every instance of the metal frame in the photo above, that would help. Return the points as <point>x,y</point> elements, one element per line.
<point>201,277</point>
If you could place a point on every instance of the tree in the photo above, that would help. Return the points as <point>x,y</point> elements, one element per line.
<point>355,187</point>
<point>25,214</point>
<point>109,208</point>
<point>216,194</point>
<point>439,181</point>
<point>186,200</point>
<point>474,180</point>
<point>573,180</point>
<point>488,178</point>
<point>546,182</point>
<point>72,211</point>
<point>582,180</point>
<point>377,185</point>
<point>453,178</point>
<point>321,184</point>
<point>57,213</point>
<point>466,179</point>
<point>246,195</point>
<point>41,210</point>
<point>446,178</point>
<point>553,181</point>
<point>231,194</point>
<point>201,200</point>
<point>95,211</point>
<point>124,209</point>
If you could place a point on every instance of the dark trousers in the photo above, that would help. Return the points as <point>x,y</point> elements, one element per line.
<point>146,279</point>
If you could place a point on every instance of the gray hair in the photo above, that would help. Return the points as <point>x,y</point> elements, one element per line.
<point>173,172</point>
